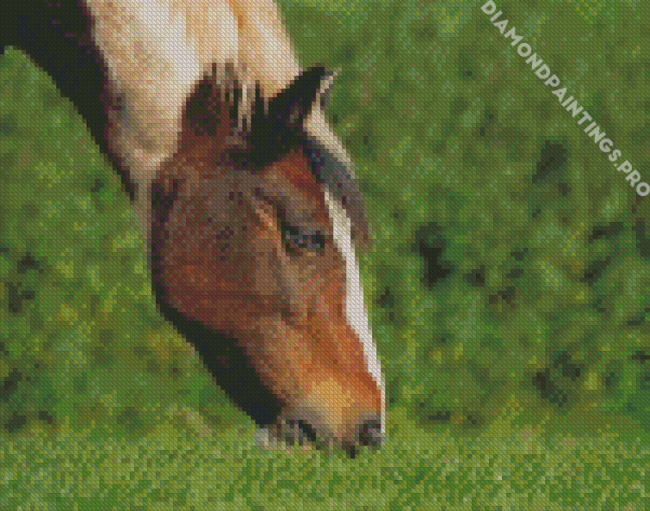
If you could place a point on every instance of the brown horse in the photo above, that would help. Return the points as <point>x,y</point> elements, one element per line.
<point>245,197</point>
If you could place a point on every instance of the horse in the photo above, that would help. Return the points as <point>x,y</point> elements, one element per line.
<point>246,199</point>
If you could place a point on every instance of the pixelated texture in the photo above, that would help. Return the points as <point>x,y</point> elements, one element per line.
<point>506,283</point>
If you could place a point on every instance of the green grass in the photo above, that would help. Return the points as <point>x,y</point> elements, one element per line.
<point>508,283</point>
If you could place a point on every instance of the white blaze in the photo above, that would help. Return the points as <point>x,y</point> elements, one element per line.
<point>355,308</point>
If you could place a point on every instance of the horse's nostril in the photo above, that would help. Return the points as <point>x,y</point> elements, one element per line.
<point>370,433</point>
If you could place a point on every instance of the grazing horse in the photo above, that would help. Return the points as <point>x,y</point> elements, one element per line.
<point>246,199</point>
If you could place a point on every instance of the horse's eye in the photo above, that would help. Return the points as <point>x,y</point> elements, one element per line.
<point>295,239</point>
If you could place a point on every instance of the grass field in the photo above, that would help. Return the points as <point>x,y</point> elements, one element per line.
<point>508,285</point>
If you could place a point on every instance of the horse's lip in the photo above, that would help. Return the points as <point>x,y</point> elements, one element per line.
<point>305,434</point>
<point>307,431</point>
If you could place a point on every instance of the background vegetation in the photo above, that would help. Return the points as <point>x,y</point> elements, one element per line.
<point>508,284</point>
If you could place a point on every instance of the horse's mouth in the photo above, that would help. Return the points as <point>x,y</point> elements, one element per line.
<point>286,436</point>
<point>302,432</point>
<point>299,433</point>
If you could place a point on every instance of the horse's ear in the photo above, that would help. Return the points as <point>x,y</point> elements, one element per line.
<point>291,106</point>
<point>277,123</point>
